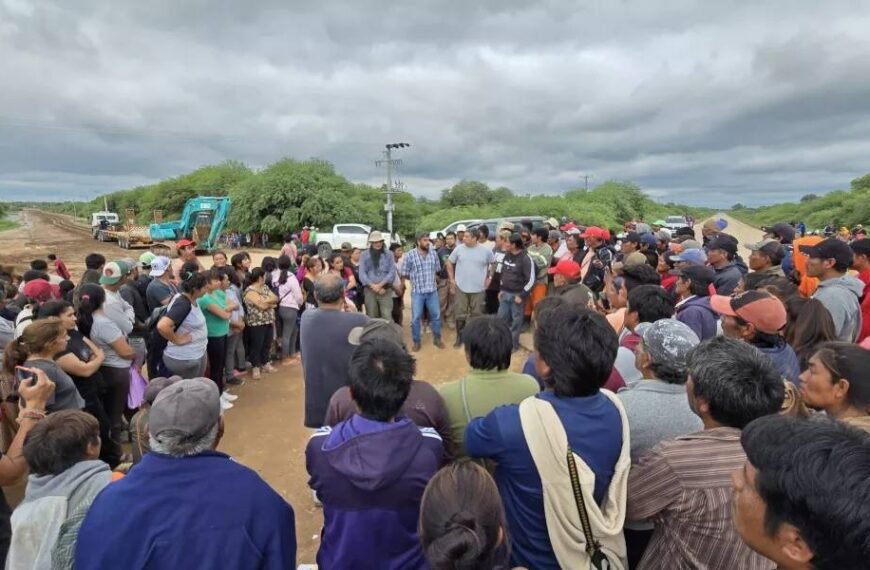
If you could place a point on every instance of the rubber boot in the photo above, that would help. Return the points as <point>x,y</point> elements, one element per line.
<point>459,326</point>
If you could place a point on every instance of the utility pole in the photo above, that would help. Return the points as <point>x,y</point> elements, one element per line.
<point>586,182</point>
<point>391,189</point>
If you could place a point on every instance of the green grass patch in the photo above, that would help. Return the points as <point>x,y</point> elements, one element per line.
<point>7,224</point>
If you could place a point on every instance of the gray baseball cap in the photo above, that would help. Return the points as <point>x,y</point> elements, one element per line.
<point>191,407</point>
<point>376,328</point>
<point>668,340</point>
<point>156,385</point>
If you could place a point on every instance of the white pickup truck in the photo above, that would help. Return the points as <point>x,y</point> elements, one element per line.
<point>452,227</point>
<point>103,220</point>
<point>357,235</point>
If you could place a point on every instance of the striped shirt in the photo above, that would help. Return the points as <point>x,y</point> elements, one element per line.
<point>684,486</point>
<point>421,270</point>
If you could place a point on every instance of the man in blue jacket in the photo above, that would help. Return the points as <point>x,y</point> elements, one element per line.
<point>370,471</point>
<point>186,505</point>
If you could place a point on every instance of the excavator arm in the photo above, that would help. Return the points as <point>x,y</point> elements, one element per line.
<point>202,220</point>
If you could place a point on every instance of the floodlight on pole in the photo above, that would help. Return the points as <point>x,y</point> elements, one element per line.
<point>389,162</point>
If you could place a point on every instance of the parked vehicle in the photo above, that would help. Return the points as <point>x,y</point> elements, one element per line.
<point>675,222</point>
<point>103,221</point>
<point>129,235</point>
<point>519,223</point>
<point>202,221</point>
<point>452,227</point>
<point>357,235</point>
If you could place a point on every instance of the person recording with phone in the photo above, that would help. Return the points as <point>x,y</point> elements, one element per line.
<point>35,392</point>
<point>36,349</point>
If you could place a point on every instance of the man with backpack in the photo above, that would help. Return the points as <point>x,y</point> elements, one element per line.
<point>531,443</point>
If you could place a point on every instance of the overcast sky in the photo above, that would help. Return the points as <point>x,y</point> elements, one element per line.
<point>701,102</point>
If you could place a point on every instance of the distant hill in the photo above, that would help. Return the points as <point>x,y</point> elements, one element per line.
<point>839,208</point>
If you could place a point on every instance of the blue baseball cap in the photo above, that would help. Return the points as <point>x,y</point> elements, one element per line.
<point>692,257</point>
<point>649,239</point>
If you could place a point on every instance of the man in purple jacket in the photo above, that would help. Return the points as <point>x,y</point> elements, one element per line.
<point>370,470</point>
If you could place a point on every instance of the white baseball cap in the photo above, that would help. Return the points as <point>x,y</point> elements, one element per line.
<point>159,265</point>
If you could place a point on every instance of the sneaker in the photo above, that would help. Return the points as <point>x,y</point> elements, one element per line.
<point>229,397</point>
<point>438,342</point>
<point>416,347</point>
<point>234,381</point>
<point>269,369</point>
<point>225,405</point>
<point>255,373</point>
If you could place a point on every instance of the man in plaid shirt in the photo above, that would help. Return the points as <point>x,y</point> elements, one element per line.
<point>420,265</point>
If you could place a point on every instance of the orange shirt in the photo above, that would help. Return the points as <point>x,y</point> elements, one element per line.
<point>807,285</point>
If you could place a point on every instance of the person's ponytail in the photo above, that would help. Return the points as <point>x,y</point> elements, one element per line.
<point>462,524</point>
<point>92,298</point>
<point>14,354</point>
<point>460,546</point>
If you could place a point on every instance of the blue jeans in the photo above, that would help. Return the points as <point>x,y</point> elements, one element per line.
<point>430,301</point>
<point>512,312</point>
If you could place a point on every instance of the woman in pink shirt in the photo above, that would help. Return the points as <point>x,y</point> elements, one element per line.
<point>289,301</point>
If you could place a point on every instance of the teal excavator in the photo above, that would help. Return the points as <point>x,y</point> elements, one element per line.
<point>202,221</point>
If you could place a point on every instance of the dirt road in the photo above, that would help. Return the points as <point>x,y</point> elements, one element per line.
<point>264,429</point>
<point>743,232</point>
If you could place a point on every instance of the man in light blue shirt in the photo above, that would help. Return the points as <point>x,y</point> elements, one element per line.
<point>468,268</point>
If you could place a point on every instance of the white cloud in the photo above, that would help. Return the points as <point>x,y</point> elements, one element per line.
<point>706,102</point>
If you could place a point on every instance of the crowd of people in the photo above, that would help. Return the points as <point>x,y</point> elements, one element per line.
<point>680,407</point>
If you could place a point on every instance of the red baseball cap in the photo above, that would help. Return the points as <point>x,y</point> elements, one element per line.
<point>596,232</point>
<point>41,290</point>
<point>568,226</point>
<point>567,268</point>
<point>184,243</point>
<point>758,308</point>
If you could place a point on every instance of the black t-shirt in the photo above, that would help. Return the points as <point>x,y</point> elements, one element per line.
<point>88,386</point>
<point>308,291</point>
<point>178,311</point>
<point>443,255</point>
<point>142,284</point>
<point>130,293</point>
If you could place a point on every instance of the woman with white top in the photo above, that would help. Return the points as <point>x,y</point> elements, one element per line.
<point>289,301</point>
<point>235,361</point>
<point>115,371</point>
<point>184,328</point>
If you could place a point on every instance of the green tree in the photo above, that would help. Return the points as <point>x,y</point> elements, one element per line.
<point>862,183</point>
<point>466,193</point>
<point>809,197</point>
<point>738,206</point>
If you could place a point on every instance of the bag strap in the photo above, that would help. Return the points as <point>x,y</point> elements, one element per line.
<point>189,309</point>
<point>593,547</point>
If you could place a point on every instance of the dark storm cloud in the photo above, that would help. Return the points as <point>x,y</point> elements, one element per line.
<point>705,102</point>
